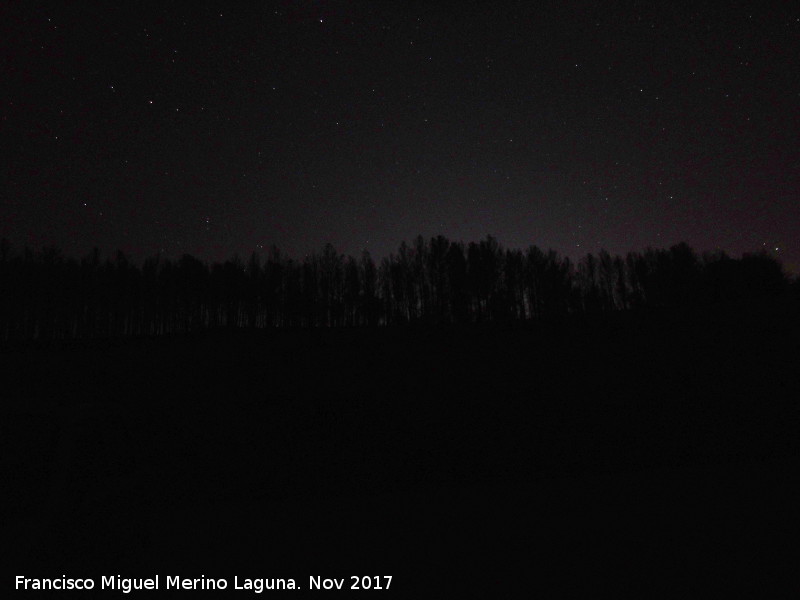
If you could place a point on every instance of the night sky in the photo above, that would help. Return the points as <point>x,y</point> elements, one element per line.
<point>215,129</point>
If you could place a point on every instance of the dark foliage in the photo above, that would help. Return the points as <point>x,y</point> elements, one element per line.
<point>44,295</point>
<point>635,416</point>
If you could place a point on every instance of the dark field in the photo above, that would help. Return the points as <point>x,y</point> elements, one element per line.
<point>455,459</point>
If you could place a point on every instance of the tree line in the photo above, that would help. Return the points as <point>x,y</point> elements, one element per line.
<point>45,295</point>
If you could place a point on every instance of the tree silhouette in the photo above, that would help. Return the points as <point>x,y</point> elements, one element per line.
<point>46,296</point>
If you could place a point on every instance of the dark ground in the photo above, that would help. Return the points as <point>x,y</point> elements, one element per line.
<point>570,457</point>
